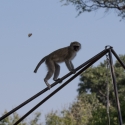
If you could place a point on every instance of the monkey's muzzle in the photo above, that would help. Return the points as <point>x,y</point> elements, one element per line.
<point>76,48</point>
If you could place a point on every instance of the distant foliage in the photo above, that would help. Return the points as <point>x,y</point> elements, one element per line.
<point>10,120</point>
<point>86,110</point>
<point>94,80</point>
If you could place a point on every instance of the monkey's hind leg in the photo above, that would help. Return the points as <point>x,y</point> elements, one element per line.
<point>46,81</point>
<point>51,69</point>
<point>56,74</point>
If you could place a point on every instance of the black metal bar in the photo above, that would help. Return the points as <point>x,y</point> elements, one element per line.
<point>115,87</point>
<point>52,85</point>
<point>117,57</point>
<point>59,88</point>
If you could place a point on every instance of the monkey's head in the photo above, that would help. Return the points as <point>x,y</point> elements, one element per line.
<point>76,46</point>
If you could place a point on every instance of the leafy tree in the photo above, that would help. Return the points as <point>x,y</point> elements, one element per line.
<point>94,79</point>
<point>80,112</point>
<point>35,120</point>
<point>86,110</point>
<point>77,114</point>
<point>94,5</point>
<point>10,120</point>
<point>99,116</point>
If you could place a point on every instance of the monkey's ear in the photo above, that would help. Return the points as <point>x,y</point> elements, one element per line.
<point>71,43</point>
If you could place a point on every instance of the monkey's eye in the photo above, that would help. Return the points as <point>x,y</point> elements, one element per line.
<point>76,48</point>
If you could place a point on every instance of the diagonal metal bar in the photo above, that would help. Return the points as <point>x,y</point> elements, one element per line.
<point>52,85</point>
<point>115,87</point>
<point>59,88</point>
<point>117,57</point>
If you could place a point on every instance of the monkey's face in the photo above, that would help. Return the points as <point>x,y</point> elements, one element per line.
<point>76,46</point>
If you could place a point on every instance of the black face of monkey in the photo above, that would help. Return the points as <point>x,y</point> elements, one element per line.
<point>76,48</point>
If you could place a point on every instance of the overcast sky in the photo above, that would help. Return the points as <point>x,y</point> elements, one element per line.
<point>53,26</point>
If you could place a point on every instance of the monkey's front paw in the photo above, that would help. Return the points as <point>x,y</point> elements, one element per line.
<point>73,71</point>
<point>58,80</point>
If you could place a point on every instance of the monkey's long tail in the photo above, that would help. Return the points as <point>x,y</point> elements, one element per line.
<point>38,65</point>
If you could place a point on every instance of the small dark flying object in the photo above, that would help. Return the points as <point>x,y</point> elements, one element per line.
<point>30,34</point>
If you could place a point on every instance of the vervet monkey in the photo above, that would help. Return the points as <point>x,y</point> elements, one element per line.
<point>65,54</point>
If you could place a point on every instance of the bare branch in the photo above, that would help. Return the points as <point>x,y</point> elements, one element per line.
<point>93,5</point>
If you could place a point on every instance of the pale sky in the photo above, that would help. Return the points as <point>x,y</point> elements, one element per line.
<point>53,26</point>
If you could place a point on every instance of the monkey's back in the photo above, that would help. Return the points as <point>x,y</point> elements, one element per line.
<point>60,55</point>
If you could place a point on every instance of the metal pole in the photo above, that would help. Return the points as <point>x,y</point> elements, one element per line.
<point>59,88</point>
<point>115,87</point>
<point>52,85</point>
<point>114,53</point>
